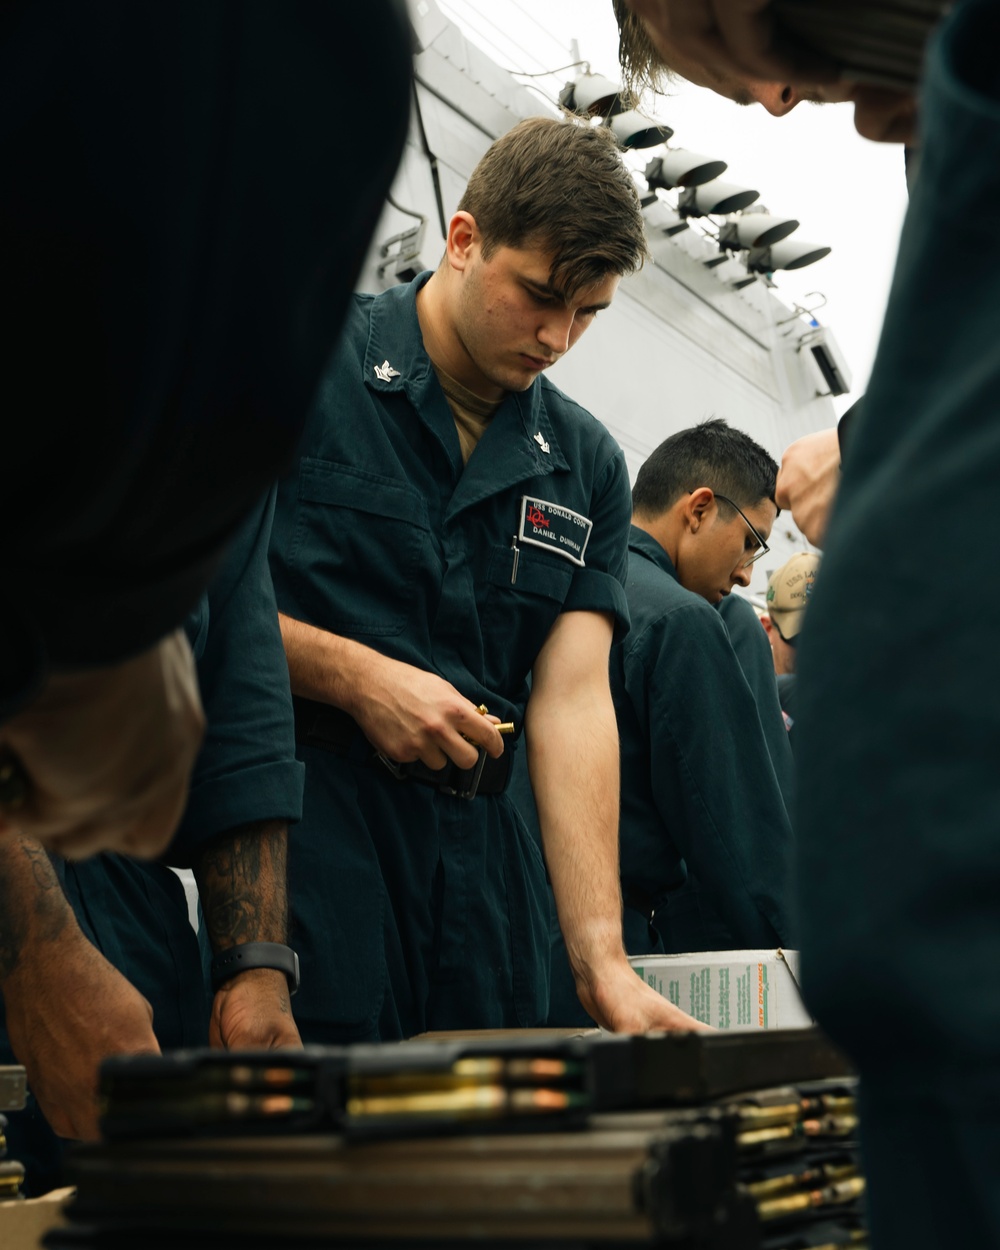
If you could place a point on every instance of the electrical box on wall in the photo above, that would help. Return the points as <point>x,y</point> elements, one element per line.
<point>834,373</point>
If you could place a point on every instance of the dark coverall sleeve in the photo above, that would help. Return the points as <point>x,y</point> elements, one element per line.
<point>246,770</point>
<point>712,778</point>
<point>180,228</point>
<point>600,586</point>
<point>135,911</point>
<point>757,661</point>
<point>899,721</point>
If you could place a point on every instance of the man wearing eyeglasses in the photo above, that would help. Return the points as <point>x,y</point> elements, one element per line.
<point>699,789</point>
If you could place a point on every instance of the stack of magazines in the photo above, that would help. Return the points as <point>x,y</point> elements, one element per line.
<point>712,1141</point>
<point>800,1164</point>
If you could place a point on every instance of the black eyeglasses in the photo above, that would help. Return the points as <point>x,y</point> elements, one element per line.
<point>764,548</point>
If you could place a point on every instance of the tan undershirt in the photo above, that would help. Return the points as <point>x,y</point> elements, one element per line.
<point>472,413</point>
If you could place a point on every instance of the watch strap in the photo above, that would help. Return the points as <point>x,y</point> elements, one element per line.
<point>229,963</point>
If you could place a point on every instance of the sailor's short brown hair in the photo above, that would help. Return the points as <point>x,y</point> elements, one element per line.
<point>560,186</point>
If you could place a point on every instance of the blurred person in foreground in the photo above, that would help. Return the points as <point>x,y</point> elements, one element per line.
<point>739,51</point>
<point>99,958</point>
<point>179,244</point>
<point>899,696</point>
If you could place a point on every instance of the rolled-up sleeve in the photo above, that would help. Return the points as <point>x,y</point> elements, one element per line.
<point>246,770</point>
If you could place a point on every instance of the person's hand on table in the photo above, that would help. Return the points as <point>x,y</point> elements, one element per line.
<point>67,1010</point>
<point>252,1011</point>
<point>621,1001</point>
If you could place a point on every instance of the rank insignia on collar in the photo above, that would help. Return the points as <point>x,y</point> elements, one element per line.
<point>539,440</point>
<point>385,372</point>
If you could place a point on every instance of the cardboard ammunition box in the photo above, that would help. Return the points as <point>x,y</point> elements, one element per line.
<point>24,1222</point>
<point>736,990</point>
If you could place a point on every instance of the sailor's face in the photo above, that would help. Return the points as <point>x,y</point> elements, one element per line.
<point>880,114</point>
<point>718,560</point>
<point>778,98</point>
<point>512,324</point>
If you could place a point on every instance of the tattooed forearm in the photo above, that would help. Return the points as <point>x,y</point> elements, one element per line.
<point>241,878</point>
<point>33,907</point>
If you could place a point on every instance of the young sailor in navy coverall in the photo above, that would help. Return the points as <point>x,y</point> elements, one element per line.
<point>701,788</point>
<point>423,575</point>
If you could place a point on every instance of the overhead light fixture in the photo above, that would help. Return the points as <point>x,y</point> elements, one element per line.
<point>679,168</point>
<point>661,219</point>
<point>715,197</point>
<point>787,254</point>
<point>756,230</point>
<point>592,95</point>
<point>633,130</point>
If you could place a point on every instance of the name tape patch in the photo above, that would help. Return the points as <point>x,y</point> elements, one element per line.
<point>557,529</point>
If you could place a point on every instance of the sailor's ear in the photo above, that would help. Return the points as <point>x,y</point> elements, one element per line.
<point>697,507</point>
<point>463,239</point>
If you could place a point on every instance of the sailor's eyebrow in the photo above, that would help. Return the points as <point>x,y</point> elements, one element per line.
<point>547,291</point>
<point>550,292</point>
<point>543,288</point>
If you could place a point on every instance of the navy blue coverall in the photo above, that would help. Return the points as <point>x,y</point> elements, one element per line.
<point>413,909</point>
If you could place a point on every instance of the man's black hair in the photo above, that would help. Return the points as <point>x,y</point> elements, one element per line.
<point>711,454</point>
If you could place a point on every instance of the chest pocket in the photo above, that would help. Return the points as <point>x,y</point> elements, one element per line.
<point>356,547</point>
<point>517,615</point>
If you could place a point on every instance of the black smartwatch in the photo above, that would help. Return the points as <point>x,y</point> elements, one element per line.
<point>237,959</point>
